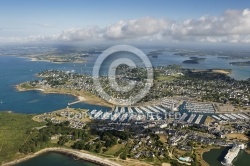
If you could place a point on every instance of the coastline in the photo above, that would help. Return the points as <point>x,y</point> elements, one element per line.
<point>82,96</point>
<point>76,153</point>
<point>37,60</point>
<point>33,59</point>
<point>215,70</point>
<point>221,71</point>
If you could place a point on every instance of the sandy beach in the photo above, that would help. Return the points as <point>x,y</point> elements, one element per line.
<point>37,60</point>
<point>220,71</point>
<point>82,96</point>
<point>76,153</point>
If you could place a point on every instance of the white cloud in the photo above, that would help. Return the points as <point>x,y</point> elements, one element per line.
<point>231,26</point>
<point>131,29</point>
<point>77,34</point>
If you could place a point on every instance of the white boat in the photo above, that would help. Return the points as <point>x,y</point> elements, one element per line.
<point>115,116</point>
<point>93,112</point>
<point>116,109</point>
<point>198,119</point>
<point>138,110</point>
<point>99,113</point>
<point>124,117</point>
<point>151,117</point>
<point>131,117</point>
<point>122,110</point>
<point>130,111</point>
<point>106,115</point>
<point>158,117</point>
<point>182,118</point>
<point>140,117</point>
<point>191,118</point>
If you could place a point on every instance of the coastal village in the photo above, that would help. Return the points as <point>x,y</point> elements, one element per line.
<point>170,81</point>
<point>169,129</point>
<point>182,133</point>
<point>124,83</point>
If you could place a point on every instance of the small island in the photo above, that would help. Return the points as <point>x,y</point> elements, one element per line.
<point>234,57</point>
<point>197,58</point>
<point>62,55</point>
<point>194,60</point>
<point>246,63</point>
<point>191,62</point>
<point>58,59</point>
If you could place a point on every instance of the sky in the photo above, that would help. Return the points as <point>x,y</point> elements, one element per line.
<point>119,21</point>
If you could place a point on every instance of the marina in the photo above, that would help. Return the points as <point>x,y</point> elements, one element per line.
<point>199,107</point>
<point>115,116</point>
<point>230,117</point>
<point>106,115</point>
<point>216,117</point>
<point>124,117</point>
<point>183,117</point>
<point>169,104</point>
<point>131,118</point>
<point>93,112</point>
<point>191,118</point>
<point>130,111</point>
<point>98,114</point>
<point>223,117</point>
<point>158,113</point>
<point>198,119</point>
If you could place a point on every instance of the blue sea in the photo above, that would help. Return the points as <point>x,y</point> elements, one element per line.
<point>16,69</point>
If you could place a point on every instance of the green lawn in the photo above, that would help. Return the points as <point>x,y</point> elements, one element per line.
<point>13,133</point>
<point>114,149</point>
<point>26,86</point>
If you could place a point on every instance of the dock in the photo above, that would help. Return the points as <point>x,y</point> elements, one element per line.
<point>75,102</point>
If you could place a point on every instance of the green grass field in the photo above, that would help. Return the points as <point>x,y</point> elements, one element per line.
<point>26,86</point>
<point>114,149</point>
<point>13,133</point>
